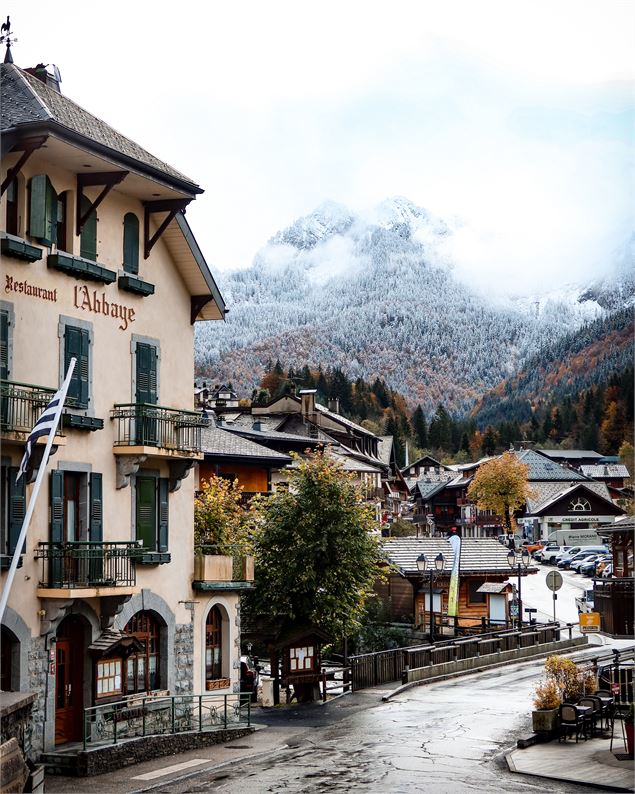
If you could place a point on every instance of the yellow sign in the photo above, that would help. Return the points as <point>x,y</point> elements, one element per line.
<point>589,622</point>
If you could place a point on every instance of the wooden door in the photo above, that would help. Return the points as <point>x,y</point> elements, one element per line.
<point>69,695</point>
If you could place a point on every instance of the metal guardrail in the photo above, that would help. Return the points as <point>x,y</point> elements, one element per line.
<point>372,669</point>
<point>21,404</point>
<point>146,715</point>
<point>88,564</point>
<point>144,424</point>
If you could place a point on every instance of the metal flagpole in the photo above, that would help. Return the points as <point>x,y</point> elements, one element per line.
<point>38,482</point>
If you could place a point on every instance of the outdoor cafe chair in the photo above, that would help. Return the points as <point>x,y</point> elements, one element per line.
<point>593,717</point>
<point>608,704</point>
<point>571,721</point>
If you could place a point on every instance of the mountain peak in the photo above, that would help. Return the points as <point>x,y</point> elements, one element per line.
<point>327,220</point>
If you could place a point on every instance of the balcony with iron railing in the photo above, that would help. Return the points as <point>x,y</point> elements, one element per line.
<point>144,428</point>
<point>94,568</point>
<point>223,567</point>
<point>20,406</point>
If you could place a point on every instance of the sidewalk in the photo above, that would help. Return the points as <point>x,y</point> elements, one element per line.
<point>588,762</point>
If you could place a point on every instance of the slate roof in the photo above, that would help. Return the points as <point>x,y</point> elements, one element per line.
<point>570,454</point>
<point>478,555</point>
<point>220,443</point>
<point>269,435</point>
<point>542,468</point>
<point>605,471</point>
<point>625,525</point>
<point>342,420</point>
<point>545,493</point>
<point>384,449</point>
<point>27,100</point>
<point>427,489</point>
<point>493,587</point>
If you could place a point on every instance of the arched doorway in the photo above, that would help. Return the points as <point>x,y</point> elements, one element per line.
<point>69,680</point>
<point>9,661</point>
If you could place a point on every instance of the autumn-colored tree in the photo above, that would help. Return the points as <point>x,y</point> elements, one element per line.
<point>220,518</point>
<point>613,427</point>
<point>501,485</point>
<point>476,444</point>
<point>316,556</point>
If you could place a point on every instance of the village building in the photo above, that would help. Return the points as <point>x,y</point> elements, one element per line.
<point>483,583</point>
<point>614,598</point>
<point>100,264</point>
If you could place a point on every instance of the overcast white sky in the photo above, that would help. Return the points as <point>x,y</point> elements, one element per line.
<point>516,117</point>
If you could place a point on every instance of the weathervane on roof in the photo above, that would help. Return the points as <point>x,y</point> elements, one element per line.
<point>5,31</point>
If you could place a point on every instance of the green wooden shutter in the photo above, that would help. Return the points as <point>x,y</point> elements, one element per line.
<point>146,510</point>
<point>164,513</point>
<point>57,526</point>
<point>43,210</point>
<point>77,344</point>
<point>96,508</point>
<point>131,243</point>
<point>88,239</point>
<point>96,512</point>
<point>17,508</point>
<point>4,345</point>
<point>146,374</point>
<point>4,367</point>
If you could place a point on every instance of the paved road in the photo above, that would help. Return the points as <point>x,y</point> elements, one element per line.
<point>443,737</point>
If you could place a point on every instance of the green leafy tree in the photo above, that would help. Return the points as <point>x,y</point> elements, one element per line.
<point>316,556</point>
<point>220,518</point>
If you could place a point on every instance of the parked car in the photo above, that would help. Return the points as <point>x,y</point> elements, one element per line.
<point>580,559</point>
<point>549,554</point>
<point>602,563</point>
<point>576,551</point>
<point>585,602</point>
<point>589,566</point>
<point>534,546</point>
<point>607,573</point>
<point>249,677</point>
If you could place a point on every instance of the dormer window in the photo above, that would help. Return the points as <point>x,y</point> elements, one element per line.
<point>131,243</point>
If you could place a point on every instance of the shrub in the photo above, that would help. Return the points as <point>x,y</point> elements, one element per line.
<point>547,695</point>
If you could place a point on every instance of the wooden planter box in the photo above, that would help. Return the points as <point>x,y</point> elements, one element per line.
<point>213,568</point>
<point>544,720</point>
<point>248,568</point>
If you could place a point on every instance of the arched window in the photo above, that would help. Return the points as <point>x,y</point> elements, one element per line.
<point>88,239</point>
<point>142,668</point>
<point>131,243</point>
<point>213,645</point>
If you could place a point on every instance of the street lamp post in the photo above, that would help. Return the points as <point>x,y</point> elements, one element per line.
<point>439,562</point>
<point>519,563</point>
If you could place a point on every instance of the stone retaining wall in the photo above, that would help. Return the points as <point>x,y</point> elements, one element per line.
<point>488,660</point>
<point>106,759</point>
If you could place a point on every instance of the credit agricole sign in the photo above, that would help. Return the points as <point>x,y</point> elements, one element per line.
<point>83,298</point>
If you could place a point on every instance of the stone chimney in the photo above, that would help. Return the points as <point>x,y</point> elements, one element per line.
<point>256,425</point>
<point>308,403</point>
<point>50,77</point>
<point>334,405</point>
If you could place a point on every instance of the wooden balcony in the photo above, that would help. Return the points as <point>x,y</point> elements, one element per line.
<point>157,431</point>
<point>87,569</point>
<point>223,568</point>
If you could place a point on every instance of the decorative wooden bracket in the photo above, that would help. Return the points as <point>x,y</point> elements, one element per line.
<point>27,147</point>
<point>197,304</point>
<point>179,469</point>
<point>106,178</point>
<point>171,206</point>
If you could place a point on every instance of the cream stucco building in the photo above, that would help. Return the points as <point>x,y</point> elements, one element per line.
<point>99,263</point>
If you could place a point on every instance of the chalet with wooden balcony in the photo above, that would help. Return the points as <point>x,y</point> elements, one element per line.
<point>483,582</point>
<point>100,264</point>
<point>614,598</point>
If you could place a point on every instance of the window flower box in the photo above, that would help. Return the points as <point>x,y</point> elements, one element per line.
<point>79,267</point>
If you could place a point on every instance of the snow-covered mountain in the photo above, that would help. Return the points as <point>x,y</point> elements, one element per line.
<point>376,296</point>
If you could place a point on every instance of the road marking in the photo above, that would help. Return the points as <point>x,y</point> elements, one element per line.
<point>168,770</point>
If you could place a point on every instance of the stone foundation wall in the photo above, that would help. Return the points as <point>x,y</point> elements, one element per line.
<point>183,658</point>
<point>107,759</point>
<point>37,681</point>
<point>15,720</point>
